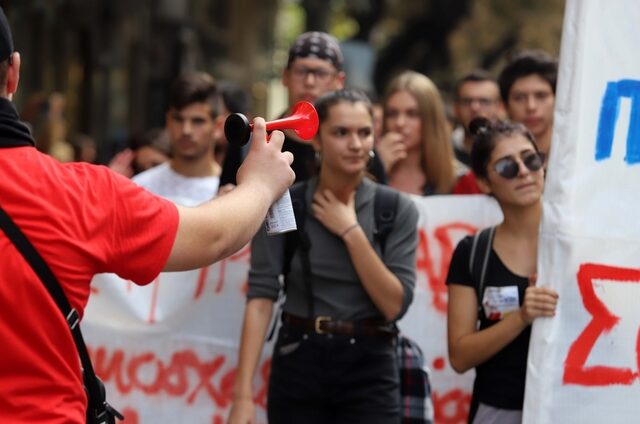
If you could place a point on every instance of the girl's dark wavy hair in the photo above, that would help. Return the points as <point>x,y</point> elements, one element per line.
<point>327,100</point>
<point>486,134</point>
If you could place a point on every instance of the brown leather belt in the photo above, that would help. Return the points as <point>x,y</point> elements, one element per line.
<point>326,325</point>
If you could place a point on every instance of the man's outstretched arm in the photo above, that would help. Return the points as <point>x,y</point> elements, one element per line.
<point>222,226</point>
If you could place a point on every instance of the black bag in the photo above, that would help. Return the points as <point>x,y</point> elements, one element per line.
<point>98,409</point>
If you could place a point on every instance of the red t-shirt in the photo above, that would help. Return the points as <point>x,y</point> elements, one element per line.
<point>467,184</point>
<point>83,220</point>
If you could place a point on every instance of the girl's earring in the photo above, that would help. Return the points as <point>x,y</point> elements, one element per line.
<point>318,156</point>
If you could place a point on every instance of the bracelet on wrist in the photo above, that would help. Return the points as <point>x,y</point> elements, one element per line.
<point>351,227</point>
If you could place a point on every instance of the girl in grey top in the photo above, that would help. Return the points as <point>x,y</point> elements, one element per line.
<point>337,365</point>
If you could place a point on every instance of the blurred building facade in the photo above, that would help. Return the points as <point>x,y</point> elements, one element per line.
<point>113,59</point>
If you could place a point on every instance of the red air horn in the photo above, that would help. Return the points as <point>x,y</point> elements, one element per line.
<point>303,120</point>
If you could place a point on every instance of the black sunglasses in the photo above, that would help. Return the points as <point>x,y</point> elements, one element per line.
<point>508,167</point>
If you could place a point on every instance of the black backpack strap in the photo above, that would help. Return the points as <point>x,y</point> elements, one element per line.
<point>291,243</point>
<point>300,239</point>
<point>292,238</point>
<point>40,267</point>
<point>479,260</point>
<point>385,208</point>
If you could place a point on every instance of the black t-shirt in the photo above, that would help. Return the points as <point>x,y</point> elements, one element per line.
<point>500,380</point>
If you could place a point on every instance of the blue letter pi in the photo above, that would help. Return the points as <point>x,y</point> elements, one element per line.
<point>609,116</point>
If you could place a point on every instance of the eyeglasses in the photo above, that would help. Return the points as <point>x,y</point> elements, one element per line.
<point>508,168</point>
<point>320,75</point>
<point>482,101</point>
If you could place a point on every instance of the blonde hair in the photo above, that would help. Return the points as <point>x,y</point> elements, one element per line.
<point>436,149</point>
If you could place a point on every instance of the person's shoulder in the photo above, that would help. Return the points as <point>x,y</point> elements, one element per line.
<point>92,182</point>
<point>385,190</point>
<point>403,198</point>
<point>151,175</point>
<point>88,171</point>
<point>462,252</point>
<point>406,208</point>
<point>459,268</point>
<point>465,243</point>
<point>151,172</point>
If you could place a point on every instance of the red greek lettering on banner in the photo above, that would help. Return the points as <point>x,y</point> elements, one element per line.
<point>436,274</point>
<point>185,376</point>
<point>603,321</point>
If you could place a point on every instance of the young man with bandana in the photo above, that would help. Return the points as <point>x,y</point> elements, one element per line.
<point>83,220</point>
<point>314,67</point>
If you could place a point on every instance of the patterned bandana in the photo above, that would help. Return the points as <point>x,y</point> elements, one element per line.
<point>319,45</point>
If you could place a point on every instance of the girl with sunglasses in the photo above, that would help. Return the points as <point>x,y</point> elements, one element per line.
<point>508,166</point>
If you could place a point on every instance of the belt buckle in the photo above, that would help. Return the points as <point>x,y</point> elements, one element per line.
<point>318,322</point>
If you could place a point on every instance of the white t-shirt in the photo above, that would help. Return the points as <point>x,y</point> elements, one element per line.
<point>185,191</point>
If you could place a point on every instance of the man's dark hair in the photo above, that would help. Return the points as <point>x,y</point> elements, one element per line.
<point>332,98</point>
<point>234,98</point>
<point>523,64</point>
<point>6,47</point>
<point>4,67</point>
<point>194,87</point>
<point>477,75</point>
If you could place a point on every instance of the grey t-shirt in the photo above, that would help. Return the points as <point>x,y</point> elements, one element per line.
<point>338,292</point>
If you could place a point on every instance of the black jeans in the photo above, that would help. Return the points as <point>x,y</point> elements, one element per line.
<point>333,379</point>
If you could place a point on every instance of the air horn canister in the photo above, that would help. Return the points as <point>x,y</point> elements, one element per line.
<point>304,122</point>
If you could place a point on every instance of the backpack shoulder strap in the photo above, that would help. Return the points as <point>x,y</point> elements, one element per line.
<point>292,238</point>
<point>479,259</point>
<point>385,208</point>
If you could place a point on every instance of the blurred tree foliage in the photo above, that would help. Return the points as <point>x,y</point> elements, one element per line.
<point>114,59</point>
<point>496,28</point>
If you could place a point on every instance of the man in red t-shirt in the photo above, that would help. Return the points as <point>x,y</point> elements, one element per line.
<point>83,220</point>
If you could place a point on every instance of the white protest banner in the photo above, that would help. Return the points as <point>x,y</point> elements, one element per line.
<point>584,363</point>
<point>167,351</point>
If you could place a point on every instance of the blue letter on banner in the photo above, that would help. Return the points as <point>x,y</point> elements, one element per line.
<point>609,116</point>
